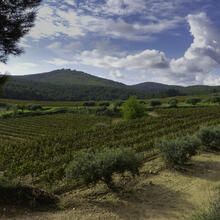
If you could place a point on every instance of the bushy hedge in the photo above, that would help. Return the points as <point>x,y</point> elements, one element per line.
<point>193,101</point>
<point>173,102</point>
<point>210,137</point>
<point>176,152</point>
<point>106,104</point>
<point>155,103</point>
<point>95,166</point>
<point>89,104</point>
<point>33,107</point>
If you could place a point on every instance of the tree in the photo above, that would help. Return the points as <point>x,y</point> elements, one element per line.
<point>16,19</point>
<point>132,108</point>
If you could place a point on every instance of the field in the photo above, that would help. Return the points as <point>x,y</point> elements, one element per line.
<point>37,149</point>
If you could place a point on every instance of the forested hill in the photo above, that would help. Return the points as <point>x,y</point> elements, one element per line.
<point>67,85</point>
<point>72,85</point>
<point>154,87</point>
<point>71,77</point>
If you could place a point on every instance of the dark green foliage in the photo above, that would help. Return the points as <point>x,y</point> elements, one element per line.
<point>33,107</point>
<point>193,101</point>
<point>106,104</point>
<point>172,92</point>
<point>41,146</point>
<point>104,111</point>
<point>173,102</point>
<point>155,103</point>
<point>210,137</point>
<point>89,104</point>
<point>16,19</point>
<point>132,109</point>
<point>176,152</point>
<point>215,99</point>
<point>21,107</point>
<point>95,166</point>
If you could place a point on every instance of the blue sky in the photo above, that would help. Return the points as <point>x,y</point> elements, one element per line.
<point>172,41</point>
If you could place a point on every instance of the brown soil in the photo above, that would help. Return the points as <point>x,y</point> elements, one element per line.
<point>157,194</point>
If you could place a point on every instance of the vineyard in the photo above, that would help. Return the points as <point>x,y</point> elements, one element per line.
<point>42,146</point>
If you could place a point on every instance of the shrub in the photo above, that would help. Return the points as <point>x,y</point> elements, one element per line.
<point>193,101</point>
<point>106,104</point>
<point>178,151</point>
<point>89,104</point>
<point>155,103</point>
<point>173,102</point>
<point>210,137</point>
<point>95,166</point>
<point>215,99</point>
<point>33,107</point>
<point>132,109</point>
<point>105,112</point>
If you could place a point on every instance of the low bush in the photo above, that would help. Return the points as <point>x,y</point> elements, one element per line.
<point>193,101</point>
<point>89,104</point>
<point>106,104</point>
<point>177,152</point>
<point>33,107</point>
<point>155,103</point>
<point>215,99</point>
<point>210,137</point>
<point>95,166</point>
<point>173,102</point>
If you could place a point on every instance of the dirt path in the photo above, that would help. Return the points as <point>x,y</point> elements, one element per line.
<point>158,194</point>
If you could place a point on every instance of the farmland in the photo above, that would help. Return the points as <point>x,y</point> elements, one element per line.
<point>37,149</point>
<point>32,141</point>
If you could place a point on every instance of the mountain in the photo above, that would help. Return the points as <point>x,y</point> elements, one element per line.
<point>154,87</point>
<point>71,77</point>
<point>72,85</point>
<point>67,85</point>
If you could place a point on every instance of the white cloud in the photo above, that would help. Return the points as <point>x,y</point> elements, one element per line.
<point>116,74</point>
<point>53,22</point>
<point>63,48</point>
<point>18,68</point>
<point>195,67</point>
<point>58,62</point>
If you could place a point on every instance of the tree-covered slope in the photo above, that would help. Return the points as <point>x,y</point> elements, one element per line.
<point>20,88</point>
<point>154,87</point>
<point>71,77</point>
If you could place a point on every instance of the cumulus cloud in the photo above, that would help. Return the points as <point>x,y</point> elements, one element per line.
<point>18,68</point>
<point>195,67</point>
<point>58,62</point>
<point>54,22</point>
<point>116,74</point>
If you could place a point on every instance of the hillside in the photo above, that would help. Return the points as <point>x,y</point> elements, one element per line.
<point>72,85</point>
<point>67,85</point>
<point>154,87</point>
<point>70,77</point>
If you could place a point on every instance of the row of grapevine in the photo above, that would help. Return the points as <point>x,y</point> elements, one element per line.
<point>60,136</point>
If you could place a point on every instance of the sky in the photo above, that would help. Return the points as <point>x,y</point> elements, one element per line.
<point>130,41</point>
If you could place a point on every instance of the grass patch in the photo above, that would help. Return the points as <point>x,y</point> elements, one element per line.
<point>211,212</point>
